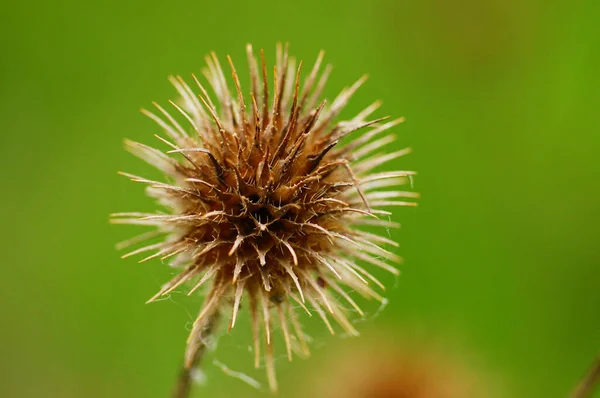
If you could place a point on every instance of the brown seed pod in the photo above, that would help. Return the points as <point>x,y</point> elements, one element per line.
<point>265,203</point>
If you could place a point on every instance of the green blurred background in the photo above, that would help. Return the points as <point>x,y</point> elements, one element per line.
<point>501,99</point>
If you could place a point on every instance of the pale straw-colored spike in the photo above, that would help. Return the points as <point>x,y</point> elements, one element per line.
<point>298,329</point>
<point>157,254</point>
<point>239,264</point>
<point>155,184</point>
<point>253,66</point>
<point>219,76</point>
<point>320,86</point>
<point>211,245</point>
<point>288,268</point>
<point>238,241</point>
<point>279,56</point>
<point>264,301</point>
<point>195,106</point>
<point>367,111</point>
<point>362,212</point>
<point>285,330</point>
<point>387,203</point>
<point>215,117</point>
<point>378,160</point>
<point>138,238</point>
<point>168,129</point>
<point>183,248</point>
<point>174,283</point>
<point>214,213</point>
<point>375,261</point>
<point>357,186</point>
<point>387,174</point>
<point>283,68</point>
<point>261,254</point>
<point>265,100</point>
<point>276,101</point>
<point>340,102</point>
<point>204,93</point>
<point>174,188</point>
<point>327,264</point>
<point>349,128</point>
<point>207,315</point>
<point>173,218</point>
<point>331,234</point>
<point>187,97</point>
<point>177,149</point>
<point>180,130</point>
<point>372,133</point>
<point>242,104</point>
<point>255,329</point>
<point>270,366</point>
<point>364,290</point>
<point>372,247</point>
<point>376,223</point>
<point>300,302</point>
<point>345,265</point>
<point>393,194</point>
<point>132,214</point>
<point>137,221</point>
<point>373,145</point>
<point>327,200</point>
<point>385,183</point>
<point>341,292</point>
<point>188,118</point>
<point>317,307</point>
<point>291,250</point>
<point>265,279</point>
<point>308,85</point>
<point>210,73</point>
<point>145,249</point>
<point>375,238</point>
<point>208,184</point>
<point>378,212</point>
<point>153,157</point>
<point>292,119</point>
<point>223,82</point>
<point>256,138</point>
<point>315,286</point>
<point>341,319</point>
<point>289,83</point>
<point>214,298</point>
<point>239,290</point>
<point>207,275</point>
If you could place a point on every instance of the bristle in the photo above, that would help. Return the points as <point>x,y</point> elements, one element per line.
<point>285,330</point>
<point>255,329</point>
<point>270,366</point>
<point>239,290</point>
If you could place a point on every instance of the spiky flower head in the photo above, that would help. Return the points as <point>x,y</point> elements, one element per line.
<point>265,203</point>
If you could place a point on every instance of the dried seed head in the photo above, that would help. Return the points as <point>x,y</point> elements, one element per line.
<point>265,202</point>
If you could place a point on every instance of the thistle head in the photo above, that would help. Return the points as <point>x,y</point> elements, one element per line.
<point>263,203</point>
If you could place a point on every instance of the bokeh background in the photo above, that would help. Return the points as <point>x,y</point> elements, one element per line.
<point>502,256</point>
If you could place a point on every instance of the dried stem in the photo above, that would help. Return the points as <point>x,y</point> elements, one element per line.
<point>184,383</point>
<point>586,387</point>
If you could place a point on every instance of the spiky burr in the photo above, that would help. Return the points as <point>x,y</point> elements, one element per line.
<point>265,203</point>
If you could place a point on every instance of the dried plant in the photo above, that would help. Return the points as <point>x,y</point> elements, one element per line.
<point>266,203</point>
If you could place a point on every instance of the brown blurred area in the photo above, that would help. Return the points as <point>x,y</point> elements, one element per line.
<point>391,366</point>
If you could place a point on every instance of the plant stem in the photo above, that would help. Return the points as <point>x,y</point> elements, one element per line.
<point>184,382</point>
<point>586,387</point>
